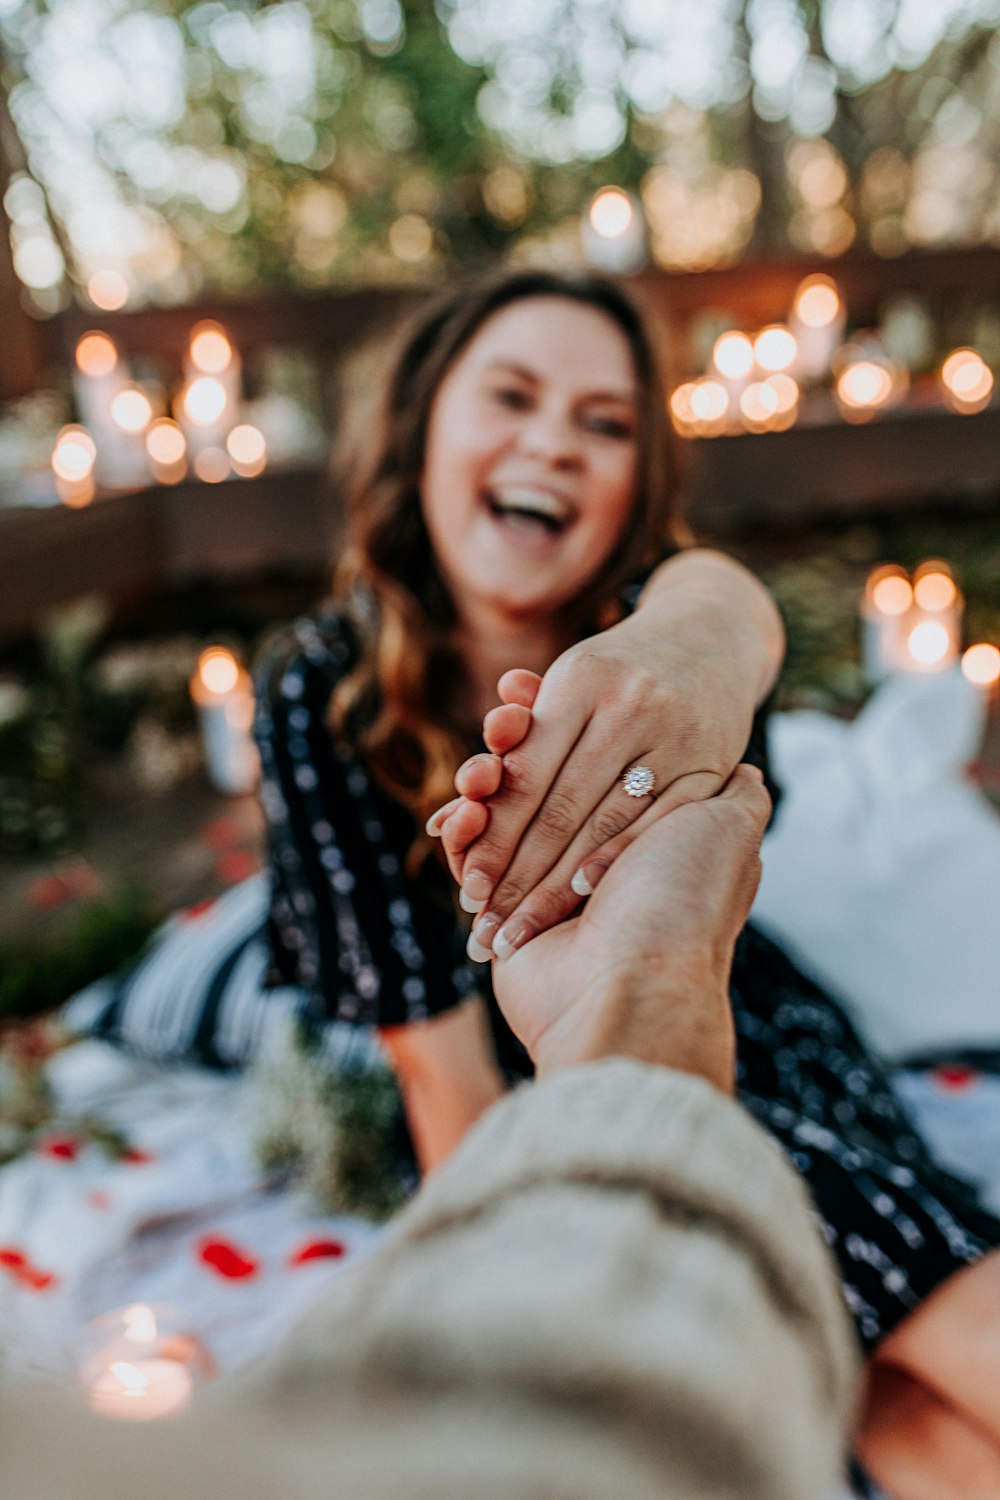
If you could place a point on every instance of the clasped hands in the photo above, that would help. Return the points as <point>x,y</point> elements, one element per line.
<point>541,820</point>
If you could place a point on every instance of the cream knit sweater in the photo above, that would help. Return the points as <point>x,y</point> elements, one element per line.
<point>614,1290</point>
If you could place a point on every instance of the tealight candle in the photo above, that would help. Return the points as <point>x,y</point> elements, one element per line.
<point>885,607</point>
<point>817,325</point>
<point>223,694</point>
<point>210,399</point>
<point>935,626</point>
<point>137,1367</point>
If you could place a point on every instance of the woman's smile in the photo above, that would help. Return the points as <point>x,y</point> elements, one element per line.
<point>531,459</point>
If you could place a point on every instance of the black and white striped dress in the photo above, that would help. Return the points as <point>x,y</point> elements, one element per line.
<point>373,947</point>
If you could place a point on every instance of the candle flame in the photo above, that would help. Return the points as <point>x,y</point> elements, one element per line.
<point>709,401</point>
<point>218,670</point>
<point>967,380</point>
<point>928,643</point>
<point>817,302</point>
<point>935,591</point>
<point>205,401</point>
<point>131,410</point>
<point>132,1381</point>
<point>74,454</point>
<point>165,442</point>
<point>775,348</point>
<point>732,355</point>
<point>248,450</point>
<point>981,664</point>
<point>96,354</point>
<point>864,384</point>
<point>892,594</point>
<point>211,351</point>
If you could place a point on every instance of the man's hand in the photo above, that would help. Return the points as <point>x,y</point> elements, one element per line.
<point>643,971</point>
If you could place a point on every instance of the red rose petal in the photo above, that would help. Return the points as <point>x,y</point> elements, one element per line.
<point>192,913</point>
<point>317,1250</point>
<point>955,1079</point>
<point>61,1147</point>
<point>136,1157</point>
<point>13,1259</point>
<point>227,1260</point>
<point>36,1280</point>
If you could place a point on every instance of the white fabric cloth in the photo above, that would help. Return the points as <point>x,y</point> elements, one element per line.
<point>882,869</point>
<point>182,1224</point>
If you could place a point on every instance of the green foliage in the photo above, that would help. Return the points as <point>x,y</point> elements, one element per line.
<point>92,939</point>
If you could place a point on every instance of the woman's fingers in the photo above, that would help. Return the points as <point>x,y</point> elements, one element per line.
<point>583,864</point>
<point>505,727</point>
<point>437,820</point>
<point>479,777</point>
<point>461,827</point>
<point>519,686</point>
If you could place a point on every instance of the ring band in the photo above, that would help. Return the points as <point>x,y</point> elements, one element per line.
<point>639,781</point>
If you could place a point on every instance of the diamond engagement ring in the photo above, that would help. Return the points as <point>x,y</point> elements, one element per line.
<point>639,781</point>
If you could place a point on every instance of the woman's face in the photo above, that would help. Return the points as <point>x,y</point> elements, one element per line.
<point>531,457</point>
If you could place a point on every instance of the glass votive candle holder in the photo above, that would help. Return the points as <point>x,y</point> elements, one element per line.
<point>138,1364</point>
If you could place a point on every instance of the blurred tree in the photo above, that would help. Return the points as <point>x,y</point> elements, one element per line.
<point>235,144</point>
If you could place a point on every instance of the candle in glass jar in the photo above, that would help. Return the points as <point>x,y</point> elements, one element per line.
<point>223,694</point>
<point>140,1389</point>
<point>934,625</point>
<point>885,609</point>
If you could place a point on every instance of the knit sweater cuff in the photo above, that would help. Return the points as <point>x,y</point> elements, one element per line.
<point>623,1124</point>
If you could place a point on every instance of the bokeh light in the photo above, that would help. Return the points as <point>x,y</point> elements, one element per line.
<point>74,454</point>
<point>967,381</point>
<point>212,465</point>
<point>218,670</point>
<point>96,354</point>
<point>131,410</point>
<point>934,588</point>
<point>732,355</point>
<point>891,593</point>
<point>817,302</point>
<point>981,665</point>
<point>205,401</point>
<point>928,643</point>
<point>611,213</point>
<point>210,349</point>
<point>108,290</point>
<point>775,348</point>
<point>165,443</point>
<point>248,450</point>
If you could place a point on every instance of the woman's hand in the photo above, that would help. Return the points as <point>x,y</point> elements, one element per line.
<point>676,700</point>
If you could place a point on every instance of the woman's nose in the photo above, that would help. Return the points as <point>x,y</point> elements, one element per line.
<point>552,436</point>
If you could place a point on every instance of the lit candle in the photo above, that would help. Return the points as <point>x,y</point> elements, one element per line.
<point>141,1389</point>
<point>613,232</point>
<point>733,361</point>
<point>817,325</point>
<point>885,607</point>
<point>73,459</point>
<point>223,694</point>
<point>210,399</point>
<point>934,626</point>
<point>966,381</point>
<point>167,450</point>
<point>866,386</point>
<point>104,397</point>
<point>137,1368</point>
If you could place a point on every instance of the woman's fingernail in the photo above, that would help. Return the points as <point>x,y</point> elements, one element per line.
<point>586,879</point>
<point>476,951</point>
<point>432,827</point>
<point>466,902</point>
<point>484,929</point>
<point>509,939</point>
<point>477,887</point>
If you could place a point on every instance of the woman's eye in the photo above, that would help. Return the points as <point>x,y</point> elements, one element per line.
<point>511,397</point>
<point>613,427</point>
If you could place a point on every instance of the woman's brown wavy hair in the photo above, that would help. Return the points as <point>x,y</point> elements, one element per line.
<point>401,708</point>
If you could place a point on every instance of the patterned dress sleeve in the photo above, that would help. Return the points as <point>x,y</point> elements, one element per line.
<point>344,922</point>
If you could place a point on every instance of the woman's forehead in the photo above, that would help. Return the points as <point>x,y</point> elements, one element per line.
<point>557,339</point>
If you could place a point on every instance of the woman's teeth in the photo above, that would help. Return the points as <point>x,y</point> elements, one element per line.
<point>530,505</point>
